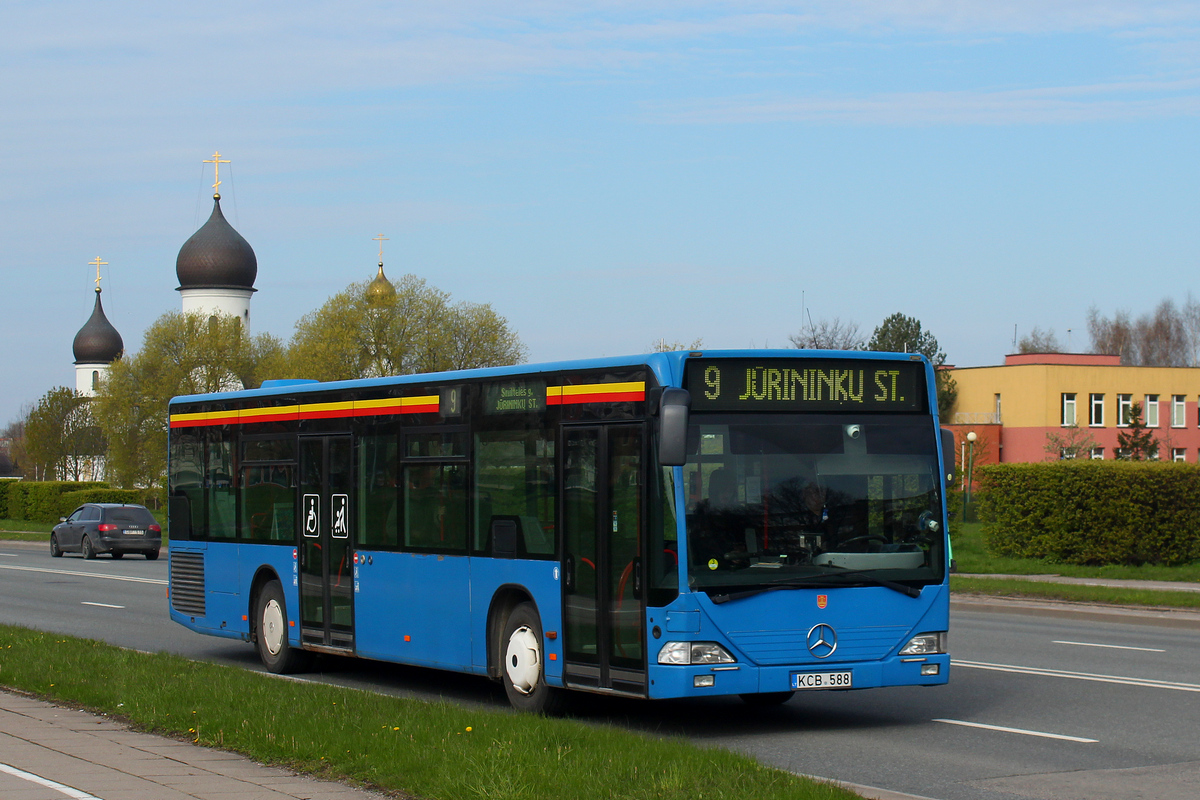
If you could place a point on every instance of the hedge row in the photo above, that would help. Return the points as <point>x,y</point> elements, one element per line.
<point>1092,512</point>
<point>46,501</point>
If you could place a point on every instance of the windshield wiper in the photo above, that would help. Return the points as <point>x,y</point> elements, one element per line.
<point>813,581</point>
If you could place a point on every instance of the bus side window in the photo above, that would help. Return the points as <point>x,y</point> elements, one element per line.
<point>514,480</point>
<point>435,507</point>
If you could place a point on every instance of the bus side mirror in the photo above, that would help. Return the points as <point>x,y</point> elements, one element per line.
<point>673,408</point>
<point>948,454</point>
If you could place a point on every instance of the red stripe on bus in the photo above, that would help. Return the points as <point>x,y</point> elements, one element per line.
<point>597,397</point>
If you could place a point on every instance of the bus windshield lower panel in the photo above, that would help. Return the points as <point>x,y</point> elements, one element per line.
<point>812,500</point>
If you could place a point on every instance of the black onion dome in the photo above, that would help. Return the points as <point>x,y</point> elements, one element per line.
<point>97,341</point>
<point>216,257</point>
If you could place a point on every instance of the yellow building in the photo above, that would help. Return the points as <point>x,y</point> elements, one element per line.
<point>1038,404</point>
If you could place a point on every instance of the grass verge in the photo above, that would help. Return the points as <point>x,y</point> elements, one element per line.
<point>24,530</point>
<point>1012,587</point>
<point>408,747</point>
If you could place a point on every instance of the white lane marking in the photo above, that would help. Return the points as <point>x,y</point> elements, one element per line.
<point>102,605</point>
<point>1113,646</point>
<point>11,555</point>
<point>129,578</point>
<point>1002,729</point>
<point>1081,676</point>
<point>74,794</point>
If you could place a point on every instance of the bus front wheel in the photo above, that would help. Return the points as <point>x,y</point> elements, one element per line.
<point>523,660</point>
<point>271,632</point>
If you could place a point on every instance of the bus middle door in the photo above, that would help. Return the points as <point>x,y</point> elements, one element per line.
<point>326,550</point>
<point>602,558</point>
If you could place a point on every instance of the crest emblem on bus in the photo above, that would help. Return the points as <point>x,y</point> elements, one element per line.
<point>822,600</point>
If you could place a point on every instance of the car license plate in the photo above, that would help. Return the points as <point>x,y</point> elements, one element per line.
<point>821,680</point>
<point>133,532</point>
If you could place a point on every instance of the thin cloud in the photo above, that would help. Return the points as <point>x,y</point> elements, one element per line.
<point>1068,104</point>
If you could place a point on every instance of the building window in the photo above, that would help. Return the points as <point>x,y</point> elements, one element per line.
<point>1178,410</point>
<point>1150,412</point>
<point>95,380</point>
<point>1121,454</point>
<point>998,417</point>
<point>1096,420</point>
<point>1179,454</point>
<point>1124,410</point>
<point>1068,410</point>
<point>1098,453</point>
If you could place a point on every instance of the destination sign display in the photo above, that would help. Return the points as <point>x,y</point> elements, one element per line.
<point>514,397</point>
<point>793,384</point>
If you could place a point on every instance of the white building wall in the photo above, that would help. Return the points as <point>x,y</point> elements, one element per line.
<point>234,302</point>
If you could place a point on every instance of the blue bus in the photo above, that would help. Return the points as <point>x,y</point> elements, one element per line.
<point>670,525</point>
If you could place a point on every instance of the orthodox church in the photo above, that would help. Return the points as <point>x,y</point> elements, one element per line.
<point>216,269</point>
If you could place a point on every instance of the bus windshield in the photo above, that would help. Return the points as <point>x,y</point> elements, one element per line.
<point>820,500</point>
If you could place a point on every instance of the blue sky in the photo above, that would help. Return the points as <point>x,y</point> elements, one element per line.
<point>606,174</point>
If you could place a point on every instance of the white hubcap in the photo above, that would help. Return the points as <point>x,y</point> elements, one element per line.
<point>523,661</point>
<point>272,627</point>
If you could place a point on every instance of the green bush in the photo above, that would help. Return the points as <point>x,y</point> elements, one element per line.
<point>1092,512</point>
<point>41,501</point>
<point>69,501</point>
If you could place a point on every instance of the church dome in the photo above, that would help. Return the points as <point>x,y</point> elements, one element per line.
<point>216,257</point>
<point>380,290</point>
<point>97,341</point>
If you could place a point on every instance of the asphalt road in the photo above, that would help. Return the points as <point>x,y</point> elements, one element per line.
<point>1037,706</point>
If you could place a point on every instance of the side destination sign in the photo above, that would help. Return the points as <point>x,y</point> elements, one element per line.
<point>795,384</point>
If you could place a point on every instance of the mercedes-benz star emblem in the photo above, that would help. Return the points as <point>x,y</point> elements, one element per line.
<point>822,641</point>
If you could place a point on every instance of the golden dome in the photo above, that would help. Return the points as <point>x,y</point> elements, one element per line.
<point>380,290</point>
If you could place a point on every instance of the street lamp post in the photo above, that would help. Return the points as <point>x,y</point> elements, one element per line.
<point>970,472</point>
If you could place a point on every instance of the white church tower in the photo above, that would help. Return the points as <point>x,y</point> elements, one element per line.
<point>217,267</point>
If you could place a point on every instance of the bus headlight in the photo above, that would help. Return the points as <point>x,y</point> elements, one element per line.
<point>925,644</point>
<point>694,653</point>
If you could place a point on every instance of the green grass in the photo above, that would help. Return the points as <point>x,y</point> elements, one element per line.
<point>971,557</point>
<point>1012,587</point>
<point>23,529</point>
<point>409,747</point>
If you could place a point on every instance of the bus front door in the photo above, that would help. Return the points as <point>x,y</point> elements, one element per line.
<point>326,550</point>
<point>602,564</point>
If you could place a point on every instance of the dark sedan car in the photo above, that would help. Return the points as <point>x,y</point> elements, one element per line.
<point>107,528</point>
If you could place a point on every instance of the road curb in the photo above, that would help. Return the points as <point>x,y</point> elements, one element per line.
<point>1130,615</point>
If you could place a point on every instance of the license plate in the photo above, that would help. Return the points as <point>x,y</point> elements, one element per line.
<point>133,533</point>
<point>821,680</point>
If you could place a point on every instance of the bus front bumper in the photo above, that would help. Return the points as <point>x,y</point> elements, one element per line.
<point>669,681</point>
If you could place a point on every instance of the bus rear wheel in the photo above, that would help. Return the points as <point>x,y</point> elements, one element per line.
<point>271,633</point>
<point>523,664</point>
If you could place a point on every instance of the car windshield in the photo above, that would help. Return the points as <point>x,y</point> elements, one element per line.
<point>129,515</point>
<point>774,500</point>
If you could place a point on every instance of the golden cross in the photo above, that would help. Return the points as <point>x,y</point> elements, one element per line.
<point>381,239</point>
<point>216,161</point>
<point>98,264</point>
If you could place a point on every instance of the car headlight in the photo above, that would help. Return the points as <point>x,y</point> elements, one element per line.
<point>694,653</point>
<point>925,644</point>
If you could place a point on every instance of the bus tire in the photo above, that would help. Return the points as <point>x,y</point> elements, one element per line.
<point>522,659</point>
<point>766,699</point>
<point>271,632</point>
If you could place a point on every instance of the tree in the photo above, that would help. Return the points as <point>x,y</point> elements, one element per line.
<point>829,335</point>
<point>1167,337</point>
<point>181,354</point>
<point>1039,341</point>
<point>14,453</point>
<point>1070,442</point>
<point>901,334</point>
<point>360,335</point>
<point>61,437</point>
<point>663,346</point>
<point>1135,442</point>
